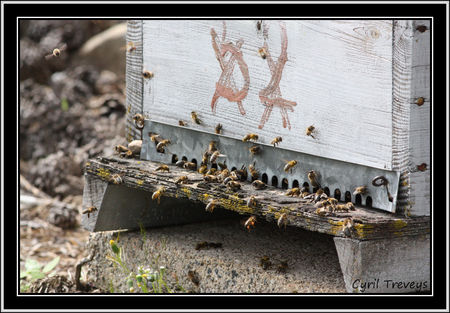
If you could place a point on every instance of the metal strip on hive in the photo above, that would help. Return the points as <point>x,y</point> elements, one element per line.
<point>333,174</point>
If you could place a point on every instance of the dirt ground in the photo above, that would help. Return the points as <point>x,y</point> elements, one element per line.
<point>69,112</point>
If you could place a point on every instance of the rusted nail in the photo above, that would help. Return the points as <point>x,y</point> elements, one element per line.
<point>421,28</point>
<point>422,167</point>
<point>420,101</point>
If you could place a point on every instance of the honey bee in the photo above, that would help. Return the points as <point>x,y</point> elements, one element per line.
<point>251,202</point>
<point>130,47</point>
<point>162,168</point>
<point>250,223</point>
<point>282,267</point>
<point>181,180</point>
<point>242,173</point>
<point>332,204</point>
<point>224,174</point>
<point>210,178</point>
<point>226,180</point>
<point>350,206</point>
<point>253,172</point>
<point>276,141</point>
<point>322,211</point>
<point>234,176</point>
<point>160,146</point>
<point>123,151</point>
<point>182,123</point>
<point>341,208</point>
<point>348,227</point>
<point>155,137</point>
<point>190,166</point>
<point>262,52</point>
<point>265,262</point>
<point>195,118</point>
<point>258,24</point>
<point>304,192</point>
<point>258,184</point>
<point>218,129</point>
<point>211,171</point>
<point>312,176</point>
<point>147,74</point>
<point>249,137</point>
<point>193,276</point>
<point>290,165</point>
<point>282,220</point>
<point>89,210</point>
<point>56,52</point>
<point>116,179</point>
<point>215,155</point>
<point>158,193</point>
<point>360,190</point>
<point>201,245</point>
<point>139,120</point>
<point>293,192</point>
<point>212,146</point>
<point>310,130</point>
<point>317,196</point>
<point>233,185</point>
<point>223,166</point>
<point>254,150</point>
<point>202,169</point>
<point>180,163</point>
<point>211,205</point>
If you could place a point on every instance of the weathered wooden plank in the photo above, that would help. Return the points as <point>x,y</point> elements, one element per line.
<point>335,75</point>
<point>369,224</point>
<point>133,78</point>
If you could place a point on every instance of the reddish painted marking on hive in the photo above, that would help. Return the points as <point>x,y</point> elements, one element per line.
<point>271,95</point>
<point>226,86</point>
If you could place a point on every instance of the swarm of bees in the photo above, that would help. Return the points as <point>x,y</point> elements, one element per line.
<point>56,53</point>
<point>89,210</point>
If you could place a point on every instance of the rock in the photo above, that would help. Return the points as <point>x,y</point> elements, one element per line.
<point>135,146</point>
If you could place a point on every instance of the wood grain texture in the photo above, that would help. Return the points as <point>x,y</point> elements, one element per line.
<point>369,224</point>
<point>134,80</point>
<point>338,73</point>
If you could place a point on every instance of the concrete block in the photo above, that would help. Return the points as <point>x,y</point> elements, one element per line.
<point>397,265</point>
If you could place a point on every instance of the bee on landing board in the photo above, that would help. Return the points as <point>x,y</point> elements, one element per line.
<point>182,123</point>
<point>181,180</point>
<point>158,193</point>
<point>56,53</point>
<point>293,192</point>
<point>162,168</point>
<point>116,179</point>
<point>89,210</point>
<point>258,184</point>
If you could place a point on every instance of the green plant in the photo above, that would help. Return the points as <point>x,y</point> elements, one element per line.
<point>148,279</point>
<point>35,270</point>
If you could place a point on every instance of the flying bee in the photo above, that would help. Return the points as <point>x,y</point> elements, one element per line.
<point>282,220</point>
<point>216,154</point>
<point>139,120</point>
<point>276,141</point>
<point>158,193</point>
<point>254,150</point>
<point>160,146</point>
<point>251,202</point>
<point>195,118</point>
<point>250,223</point>
<point>258,184</point>
<point>147,74</point>
<point>155,137</point>
<point>223,166</point>
<point>360,190</point>
<point>253,172</point>
<point>180,163</point>
<point>89,210</point>
<point>350,206</point>
<point>211,171</point>
<point>182,123</point>
<point>202,169</point>
<point>162,168</point>
<point>293,192</point>
<point>190,166</point>
<point>233,185</point>
<point>249,137</point>
<point>282,267</point>
<point>212,146</point>
<point>218,129</point>
<point>265,262</point>
<point>210,178</point>
<point>310,130</point>
<point>181,180</point>
<point>312,176</point>
<point>211,205</point>
<point>56,53</point>
<point>116,179</point>
<point>262,52</point>
<point>290,165</point>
